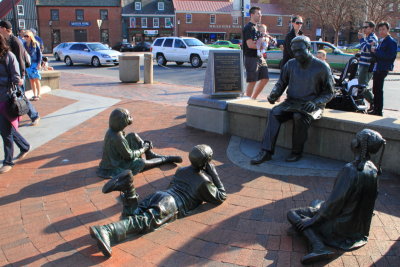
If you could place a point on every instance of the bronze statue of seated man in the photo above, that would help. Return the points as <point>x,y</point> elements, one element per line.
<point>124,152</point>
<point>189,187</point>
<point>343,221</point>
<point>309,86</point>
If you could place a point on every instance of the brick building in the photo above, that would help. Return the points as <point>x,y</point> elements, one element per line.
<point>74,20</point>
<point>145,20</point>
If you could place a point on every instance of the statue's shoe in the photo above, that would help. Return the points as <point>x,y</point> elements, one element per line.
<point>317,255</point>
<point>103,239</point>
<point>172,159</point>
<point>121,182</point>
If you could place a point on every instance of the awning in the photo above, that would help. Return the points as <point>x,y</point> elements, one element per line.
<point>204,32</point>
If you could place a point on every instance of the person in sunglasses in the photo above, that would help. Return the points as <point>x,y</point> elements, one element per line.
<point>297,22</point>
<point>367,38</point>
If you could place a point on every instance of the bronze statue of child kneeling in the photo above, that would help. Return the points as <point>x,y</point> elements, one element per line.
<point>124,152</point>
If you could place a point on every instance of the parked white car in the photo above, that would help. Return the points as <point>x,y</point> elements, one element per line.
<point>95,54</point>
<point>180,50</point>
<point>58,51</point>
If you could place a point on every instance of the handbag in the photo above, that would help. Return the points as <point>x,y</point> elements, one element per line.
<point>17,102</point>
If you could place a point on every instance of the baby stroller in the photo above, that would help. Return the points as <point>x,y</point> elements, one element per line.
<point>348,93</point>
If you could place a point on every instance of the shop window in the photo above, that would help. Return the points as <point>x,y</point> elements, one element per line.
<point>79,15</point>
<point>132,23</point>
<point>144,22</point>
<point>138,6</point>
<point>20,10</point>
<point>55,14</point>
<point>105,36</point>
<point>156,22</point>
<point>160,5</point>
<point>235,20</point>
<point>279,21</point>
<point>212,19</point>
<point>21,23</point>
<point>188,18</point>
<point>103,14</point>
<point>168,23</point>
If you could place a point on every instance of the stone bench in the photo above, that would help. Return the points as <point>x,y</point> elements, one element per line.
<point>329,137</point>
<point>50,78</point>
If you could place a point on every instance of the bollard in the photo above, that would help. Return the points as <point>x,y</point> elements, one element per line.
<point>129,69</point>
<point>148,68</point>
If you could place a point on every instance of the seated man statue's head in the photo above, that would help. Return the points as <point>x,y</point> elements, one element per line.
<point>300,46</point>
<point>367,142</point>
<point>200,156</point>
<point>119,119</point>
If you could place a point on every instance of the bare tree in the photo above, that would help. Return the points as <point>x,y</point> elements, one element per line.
<point>378,10</point>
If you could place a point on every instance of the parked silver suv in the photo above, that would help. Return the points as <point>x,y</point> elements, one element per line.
<point>180,50</point>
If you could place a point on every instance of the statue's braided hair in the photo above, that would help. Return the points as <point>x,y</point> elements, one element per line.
<point>369,141</point>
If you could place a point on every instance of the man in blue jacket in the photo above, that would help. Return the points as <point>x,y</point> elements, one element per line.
<point>385,55</point>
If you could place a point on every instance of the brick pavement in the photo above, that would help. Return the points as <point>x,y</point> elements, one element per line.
<point>50,199</point>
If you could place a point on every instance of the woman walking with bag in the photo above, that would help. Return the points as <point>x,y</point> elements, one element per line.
<point>33,48</point>
<point>9,74</point>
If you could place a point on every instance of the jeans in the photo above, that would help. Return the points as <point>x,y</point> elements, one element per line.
<point>9,136</point>
<point>32,113</point>
<point>364,76</point>
<point>377,88</point>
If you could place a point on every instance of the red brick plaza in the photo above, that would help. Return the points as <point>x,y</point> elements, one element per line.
<point>49,200</point>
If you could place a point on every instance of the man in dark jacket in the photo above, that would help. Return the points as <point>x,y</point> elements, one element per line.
<point>385,55</point>
<point>17,48</point>
<point>310,87</point>
<point>189,187</point>
<point>297,22</point>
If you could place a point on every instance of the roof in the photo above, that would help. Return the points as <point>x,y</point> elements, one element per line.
<point>83,3</point>
<point>6,6</point>
<point>148,7</point>
<point>203,6</point>
<point>273,9</point>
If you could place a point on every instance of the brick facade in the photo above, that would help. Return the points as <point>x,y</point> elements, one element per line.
<point>68,29</point>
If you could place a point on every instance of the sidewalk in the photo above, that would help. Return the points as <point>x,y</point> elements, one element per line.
<point>50,198</point>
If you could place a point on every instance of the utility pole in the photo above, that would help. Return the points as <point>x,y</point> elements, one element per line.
<point>15,22</point>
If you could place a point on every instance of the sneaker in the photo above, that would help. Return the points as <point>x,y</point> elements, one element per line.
<point>35,122</point>
<point>121,182</point>
<point>22,155</point>
<point>5,168</point>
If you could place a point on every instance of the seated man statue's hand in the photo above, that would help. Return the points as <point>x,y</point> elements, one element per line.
<point>309,106</point>
<point>150,143</point>
<point>146,146</point>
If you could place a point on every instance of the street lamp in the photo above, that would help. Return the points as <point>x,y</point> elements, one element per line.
<point>177,26</point>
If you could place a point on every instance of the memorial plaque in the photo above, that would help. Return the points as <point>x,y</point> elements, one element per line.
<point>227,76</point>
<point>224,74</point>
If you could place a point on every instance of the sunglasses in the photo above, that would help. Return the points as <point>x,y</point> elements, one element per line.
<point>26,36</point>
<point>365,27</point>
<point>299,22</point>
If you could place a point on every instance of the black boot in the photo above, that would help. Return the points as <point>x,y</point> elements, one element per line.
<point>293,157</point>
<point>264,155</point>
<point>148,164</point>
<point>319,251</point>
<point>151,155</point>
<point>122,182</point>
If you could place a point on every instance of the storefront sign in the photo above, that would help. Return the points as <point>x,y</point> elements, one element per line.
<point>224,26</point>
<point>79,23</point>
<point>150,32</point>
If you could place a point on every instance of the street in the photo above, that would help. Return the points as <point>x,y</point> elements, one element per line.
<point>187,75</point>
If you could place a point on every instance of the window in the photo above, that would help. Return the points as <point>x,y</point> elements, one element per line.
<point>235,20</point>
<point>103,14</point>
<point>158,42</point>
<point>132,23</point>
<point>79,15</point>
<point>55,15</point>
<point>390,7</point>
<point>168,42</point>
<point>179,44</point>
<point>160,5</point>
<point>21,23</point>
<point>104,36</point>
<point>138,6</point>
<point>156,22</point>
<point>168,23</point>
<point>20,10</point>
<point>144,22</point>
<point>188,18</point>
<point>212,19</point>
<point>279,21</point>
<point>56,37</point>
<point>308,24</point>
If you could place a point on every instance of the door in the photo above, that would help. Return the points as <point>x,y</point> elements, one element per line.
<point>80,35</point>
<point>75,52</point>
<point>180,51</point>
<point>167,49</point>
